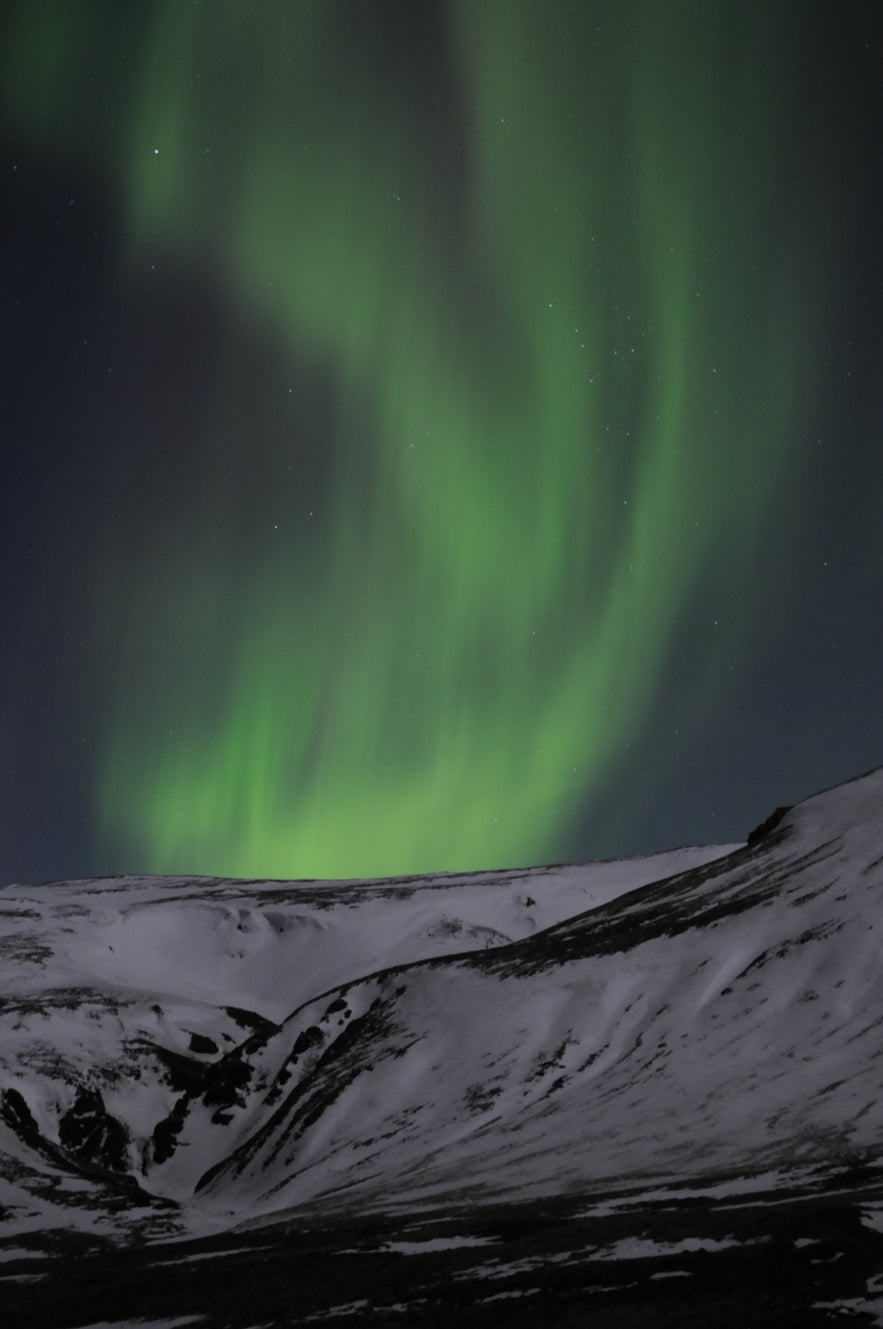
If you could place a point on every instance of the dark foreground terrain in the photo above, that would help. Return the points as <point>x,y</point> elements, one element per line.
<point>774,1258</point>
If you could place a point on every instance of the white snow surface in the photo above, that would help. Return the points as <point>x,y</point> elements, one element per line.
<point>436,1244</point>
<point>705,1018</point>
<point>178,1323</point>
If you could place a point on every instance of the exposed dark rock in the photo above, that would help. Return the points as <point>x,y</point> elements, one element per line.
<point>309,1038</point>
<point>166,1132</point>
<point>250,1020</point>
<point>199,1043</point>
<point>224,1079</point>
<point>88,1131</point>
<point>762,831</point>
<point>17,1115</point>
<point>183,1074</point>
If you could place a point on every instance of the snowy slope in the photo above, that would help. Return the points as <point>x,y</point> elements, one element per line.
<point>725,1021</point>
<point>192,1054</point>
<point>120,995</point>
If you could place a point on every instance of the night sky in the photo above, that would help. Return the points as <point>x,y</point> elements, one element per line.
<point>435,435</point>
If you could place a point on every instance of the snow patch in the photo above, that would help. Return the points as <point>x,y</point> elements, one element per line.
<point>437,1244</point>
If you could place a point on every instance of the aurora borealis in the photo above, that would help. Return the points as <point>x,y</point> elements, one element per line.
<point>492,427</point>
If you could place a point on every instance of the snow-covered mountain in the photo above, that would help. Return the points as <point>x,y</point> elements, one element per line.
<point>188,1056</point>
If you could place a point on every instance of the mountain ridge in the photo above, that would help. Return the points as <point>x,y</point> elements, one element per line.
<point>174,1064</point>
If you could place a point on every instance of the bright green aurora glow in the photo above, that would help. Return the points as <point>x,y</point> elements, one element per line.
<point>551,293</point>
